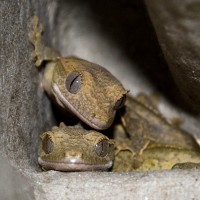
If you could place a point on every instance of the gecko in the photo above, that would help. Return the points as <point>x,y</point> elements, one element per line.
<point>85,89</point>
<point>73,148</point>
<point>94,95</point>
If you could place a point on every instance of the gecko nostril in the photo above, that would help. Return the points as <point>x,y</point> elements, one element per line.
<point>93,115</point>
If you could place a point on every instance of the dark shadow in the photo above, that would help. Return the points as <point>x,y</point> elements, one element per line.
<point>127,24</point>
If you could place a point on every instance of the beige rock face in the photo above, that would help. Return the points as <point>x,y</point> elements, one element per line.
<point>177,27</point>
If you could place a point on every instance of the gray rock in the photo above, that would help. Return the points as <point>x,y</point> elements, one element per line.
<point>101,185</point>
<point>73,28</point>
<point>25,110</point>
<point>13,184</point>
<point>177,27</point>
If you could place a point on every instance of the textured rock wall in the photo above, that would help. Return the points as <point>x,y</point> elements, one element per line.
<point>116,34</point>
<point>13,184</point>
<point>24,106</point>
<point>177,27</point>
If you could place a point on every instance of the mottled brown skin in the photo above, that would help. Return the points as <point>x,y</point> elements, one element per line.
<point>145,124</point>
<point>99,93</point>
<point>148,141</point>
<point>72,148</point>
<point>156,158</point>
<point>95,102</point>
<point>149,150</point>
<point>187,165</point>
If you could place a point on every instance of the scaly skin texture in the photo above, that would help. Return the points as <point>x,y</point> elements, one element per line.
<point>156,158</point>
<point>86,89</point>
<point>145,124</point>
<point>161,146</point>
<point>147,141</point>
<point>72,148</point>
<point>93,94</point>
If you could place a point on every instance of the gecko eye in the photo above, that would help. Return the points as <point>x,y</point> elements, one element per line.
<point>73,82</point>
<point>102,147</point>
<point>47,145</point>
<point>120,102</point>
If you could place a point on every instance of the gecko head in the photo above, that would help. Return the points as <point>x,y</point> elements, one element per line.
<point>68,148</point>
<point>88,90</point>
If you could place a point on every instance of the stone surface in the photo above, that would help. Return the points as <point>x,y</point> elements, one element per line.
<point>177,27</point>
<point>182,185</point>
<point>117,35</point>
<point>13,184</point>
<point>25,110</point>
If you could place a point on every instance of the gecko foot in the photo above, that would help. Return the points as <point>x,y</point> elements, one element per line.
<point>41,53</point>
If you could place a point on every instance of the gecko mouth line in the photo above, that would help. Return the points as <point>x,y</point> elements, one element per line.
<point>67,166</point>
<point>94,122</point>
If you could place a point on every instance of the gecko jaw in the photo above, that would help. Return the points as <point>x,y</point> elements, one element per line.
<point>94,122</point>
<point>74,166</point>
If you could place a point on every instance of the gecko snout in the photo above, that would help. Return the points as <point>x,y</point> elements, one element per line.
<point>73,154</point>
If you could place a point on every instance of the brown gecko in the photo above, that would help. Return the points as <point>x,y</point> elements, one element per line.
<point>73,148</point>
<point>151,144</point>
<point>93,94</point>
<point>86,89</point>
